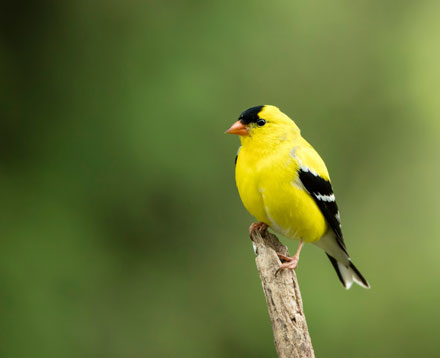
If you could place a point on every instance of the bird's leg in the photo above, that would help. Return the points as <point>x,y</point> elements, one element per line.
<point>291,262</point>
<point>259,227</point>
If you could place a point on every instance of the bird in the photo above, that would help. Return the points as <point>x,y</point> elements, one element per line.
<point>283,182</point>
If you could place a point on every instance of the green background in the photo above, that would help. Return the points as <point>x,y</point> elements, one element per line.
<point>121,230</point>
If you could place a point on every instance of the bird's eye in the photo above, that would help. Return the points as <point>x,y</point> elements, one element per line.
<point>261,122</point>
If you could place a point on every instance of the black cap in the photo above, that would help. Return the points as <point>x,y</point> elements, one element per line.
<point>250,115</point>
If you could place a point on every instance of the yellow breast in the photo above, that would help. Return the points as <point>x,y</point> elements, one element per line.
<point>270,190</point>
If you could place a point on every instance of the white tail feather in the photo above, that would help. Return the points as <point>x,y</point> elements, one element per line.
<point>351,274</point>
<point>346,275</point>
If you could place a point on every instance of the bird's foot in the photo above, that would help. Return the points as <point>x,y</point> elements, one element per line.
<point>290,262</point>
<point>258,227</point>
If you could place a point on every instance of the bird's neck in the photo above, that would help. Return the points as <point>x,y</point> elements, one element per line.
<point>260,147</point>
<point>266,144</point>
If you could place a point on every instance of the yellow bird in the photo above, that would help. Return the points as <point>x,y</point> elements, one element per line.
<point>285,185</point>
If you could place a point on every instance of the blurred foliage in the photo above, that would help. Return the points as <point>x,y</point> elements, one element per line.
<point>122,234</point>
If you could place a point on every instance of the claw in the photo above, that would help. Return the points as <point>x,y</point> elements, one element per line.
<point>290,262</point>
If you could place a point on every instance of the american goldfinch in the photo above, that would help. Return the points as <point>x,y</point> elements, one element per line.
<point>285,185</point>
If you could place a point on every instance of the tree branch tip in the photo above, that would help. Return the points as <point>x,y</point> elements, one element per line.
<point>283,298</point>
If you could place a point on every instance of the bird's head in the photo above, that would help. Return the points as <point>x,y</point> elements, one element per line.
<point>264,125</point>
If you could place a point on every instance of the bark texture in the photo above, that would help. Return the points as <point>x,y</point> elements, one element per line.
<point>292,339</point>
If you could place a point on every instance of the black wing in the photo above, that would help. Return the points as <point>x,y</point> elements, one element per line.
<point>322,192</point>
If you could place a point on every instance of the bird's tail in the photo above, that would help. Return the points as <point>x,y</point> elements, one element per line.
<point>338,255</point>
<point>348,273</point>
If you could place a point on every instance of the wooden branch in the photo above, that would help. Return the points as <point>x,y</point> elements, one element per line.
<point>292,339</point>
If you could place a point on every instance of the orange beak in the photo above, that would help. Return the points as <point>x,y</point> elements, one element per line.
<point>239,129</point>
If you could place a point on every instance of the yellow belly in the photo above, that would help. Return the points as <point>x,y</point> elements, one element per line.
<point>270,191</point>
